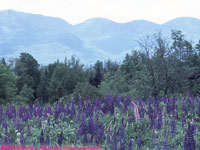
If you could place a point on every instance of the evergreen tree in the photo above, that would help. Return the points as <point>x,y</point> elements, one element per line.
<point>3,61</point>
<point>27,69</point>
<point>98,74</point>
<point>7,84</point>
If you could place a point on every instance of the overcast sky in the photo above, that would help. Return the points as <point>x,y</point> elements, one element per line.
<point>76,11</point>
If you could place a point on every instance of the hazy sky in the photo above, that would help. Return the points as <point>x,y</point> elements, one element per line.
<point>76,11</point>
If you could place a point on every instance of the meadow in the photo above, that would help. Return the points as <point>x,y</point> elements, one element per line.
<point>112,122</point>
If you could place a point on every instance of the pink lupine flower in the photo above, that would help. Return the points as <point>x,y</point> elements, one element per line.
<point>136,113</point>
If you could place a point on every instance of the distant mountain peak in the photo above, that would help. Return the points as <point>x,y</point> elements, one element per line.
<point>183,19</point>
<point>51,38</point>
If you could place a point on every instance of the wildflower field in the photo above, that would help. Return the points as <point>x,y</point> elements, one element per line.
<point>111,123</point>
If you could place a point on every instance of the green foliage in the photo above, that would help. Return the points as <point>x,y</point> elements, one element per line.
<point>158,68</point>
<point>7,84</point>
<point>60,79</point>
<point>2,61</point>
<point>86,91</point>
<point>27,93</point>
<point>115,84</point>
<point>26,68</point>
<point>96,78</point>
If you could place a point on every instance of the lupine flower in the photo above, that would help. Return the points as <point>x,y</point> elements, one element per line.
<point>4,124</point>
<point>194,126</point>
<point>136,113</point>
<point>173,126</point>
<point>199,109</point>
<point>78,116</point>
<point>183,121</point>
<point>42,138</point>
<point>184,108</point>
<point>85,140</point>
<point>5,141</point>
<point>72,112</point>
<point>101,131</point>
<point>160,119</point>
<point>60,139</point>
<point>82,129</point>
<point>130,144</point>
<point>165,144</point>
<point>29,131</point>
<point>90,126</point>
<point>40,124</point>
<point>108,138</point>
<point>122,146</point>
<point>47,141</point>
<point>114,141</point>
<point>22,140</point>
<point>139,142</point>
<point>189,142</point>
<point>122,134</point>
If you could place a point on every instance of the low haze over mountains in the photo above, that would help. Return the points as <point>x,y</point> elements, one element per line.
<point>49,38</point>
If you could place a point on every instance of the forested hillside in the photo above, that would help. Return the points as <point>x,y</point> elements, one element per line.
<point>158,68</point>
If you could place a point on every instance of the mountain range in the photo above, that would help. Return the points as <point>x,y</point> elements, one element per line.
<point>48,38</point>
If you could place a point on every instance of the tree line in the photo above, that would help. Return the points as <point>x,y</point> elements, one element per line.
<point>159,67</point>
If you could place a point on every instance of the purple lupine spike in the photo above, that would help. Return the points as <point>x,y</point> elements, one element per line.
<point>177,117</point>
<point>25,115</point>
<point>22,140</point>
<point>90,126</point>
<point>42,138</point>
<point>122,132</point>
<point>82,129</point>
<point>152,122</point>
<point>85,140</point>
<point>130,144</point>
<point>1,110</point>
<point>48,122</point>
<point>122,146</point>
<point>49,110</point>
<point>183,120</point>
<point>108,138</point>
<point>150,110</point>
<point>78,116</point>
<point>40,124</point>
<point>139,142</point>
<point>114,143</point>
<point>67,109</point>
<point>160,121</point>
<point>39,112</point>
<point>173,126</point>
<point>199,109</point>
<point>101,132</point>
<point>5,141</point>
<point>8,138</point>
<point>29,131</point>
<point>47,141</point>
<point>164,144</point>
<point>194,126</point>
<point>189,142</point>
<point>89,110</point>
<point>142,111</point>
<point>60,138</point>
<point>191,102</point>
<point>168,108</point>
<point>4,124</point>
<point>185,144</point>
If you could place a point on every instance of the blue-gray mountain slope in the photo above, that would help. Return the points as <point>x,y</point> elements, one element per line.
<point>50,38</point>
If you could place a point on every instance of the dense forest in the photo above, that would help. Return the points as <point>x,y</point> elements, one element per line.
<point>159,67</point>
